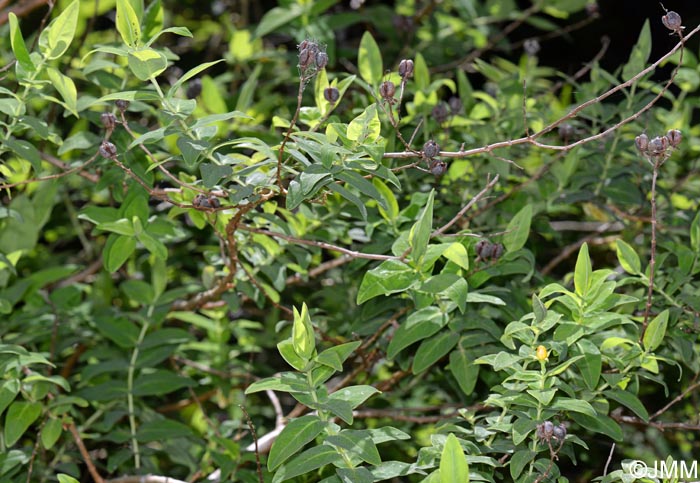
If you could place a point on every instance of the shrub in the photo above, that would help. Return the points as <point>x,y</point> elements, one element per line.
<point>406,236</point>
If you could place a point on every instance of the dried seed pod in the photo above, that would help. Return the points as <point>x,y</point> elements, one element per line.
<point>484,249</point>
<point>303,45</point>
<point>559,432</point>
<point>658,145</point>
<point>642,142</point>
<point>545,430</point>
<point>431,149</point>
<point>531,47</point>
<point>455,104</point>
<point>441,113</point>
<point>122,105</point>
<point>194,88</point>
<point>108,150</point>
<point>566,131</point>
<point>109,120</point>
<point>214,201</point>
<point>406,68</point>
<point>331,94</point>
<point>674,137</point>
<point>305,58</point>
<point>672,21</point>
<point>321,60</point>
<point>438,167</point>
<point>497,251</point>
<point>387,89</point>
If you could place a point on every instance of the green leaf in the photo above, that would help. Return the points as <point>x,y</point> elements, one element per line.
<point>191,149</point>
<point>117,250</point>
<point>19,417</point>
<point>599,424</point>
<point>656,331</point>
<point>303,334</point>
<point>293,438</point>
<point>336,355</point>
<point>153,245</point>
<point>147,63</point>
<point>453,462</point>
<point>191,73</point>
<point>366,127</point>
<point>58,36</point>
<point>591,364</point>
<point>464,370</point>
<point>275,18</point>
<point>573,406</point>
<point>419,325</point>
<point>162,430</point>
<point>354,395</point>
<point>309,460</point>
<point>583,271</point>
<point>285,382</point>
<point>8,391</point>
<point>212,173</point>
<point>51,432</point>
<point>628,258</point>
<point>289,354</point>
<point>640,53</point>
<point>362,185</point>
<point>391,276</point>
<point>538,308</point>
<point>121,331</point>
<point>66,479</point>
<point>18,46</point>
<point>457,254</point>
<point>421,74</point>
<point>339,408</point>
<point>152,20</point>
<point>359,474</point>
<point>128,24</point>
<point>25,150</point>
<point>518,230</point>
<point>629,400</point>
<point>695,234</point>
<point>369,60</point>
<point>433,349</point>
<point>348,195</point>
<point>357,442</point>
<point>66,88</point>
<point>160,382</point>
<point>519,461</point>
<point>419,236</point>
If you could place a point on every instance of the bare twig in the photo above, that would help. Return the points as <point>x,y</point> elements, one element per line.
<point>255,441</point>
<point>466,207</point>
<point>85,454</point>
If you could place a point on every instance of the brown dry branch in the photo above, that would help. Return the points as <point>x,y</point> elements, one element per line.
<point>533,138</point>
<point>85,454</point>
<point>694,384</point>
<point>59,164</point>
<point>566,252</point>
<point>466,208</point>
<point>145,479</point>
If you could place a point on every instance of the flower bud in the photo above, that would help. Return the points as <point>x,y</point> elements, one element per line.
<point>541,353</point>
<point>331,94</point>
<point>672,21</point>
<point>674,137</point>
<point>387,89</point>
<point>431,149</point>
<point>109,120</point>
<point>406,68</point>
<point>108,150</point>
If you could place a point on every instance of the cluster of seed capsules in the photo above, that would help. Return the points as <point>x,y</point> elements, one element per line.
<point>547,430</point>
<point>486,250</point>
<point>204,201</point>
<point>657,149</point>
<point>312,58</point>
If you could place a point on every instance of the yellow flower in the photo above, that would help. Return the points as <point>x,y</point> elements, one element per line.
<point>541,353</point>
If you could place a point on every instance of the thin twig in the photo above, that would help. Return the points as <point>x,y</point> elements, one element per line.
<point>255,440</point>
<point>84,452</point>
<point>466,208</point>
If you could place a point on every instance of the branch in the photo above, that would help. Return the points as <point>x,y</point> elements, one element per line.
<point>84,452</point>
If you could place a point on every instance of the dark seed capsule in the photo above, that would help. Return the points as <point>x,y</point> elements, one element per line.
<point>672,21</point>
<point>497,251</point>
<point>431,149</point>
<point>559,432</point>
<point>108,120</point>
<point>484,248</point>
<point>658,145</point>
<point>304,58</point>
<point>303,45</point>
<point>566,131</point>
<point>531,47</point>
<point>642,142</point>
<point>674,137</point>
<point>441,113</point>
<point>122,105</point>
<point>455,104</point>
<point>438,167</point>
<point>214,202</point>
<point>108,150</point>
<point>387,89</point>
<point>197,201</point>
<point>547,429</point>
<point>194,88</point>
<point>331,94</point>
<point>406,68</point>
<point>321,60</point>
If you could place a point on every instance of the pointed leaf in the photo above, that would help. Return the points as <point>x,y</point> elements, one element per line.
<point>18,46</point>
<point>369,60</point>
<point>453,462</point>
<point>628,258</point>
<point>293,437</point>
<point>583,271</point>
<point>419,236</point>
<point>19,417</point>
<point>518,230</point>
<point>656,330</point>
<point>128,24</point>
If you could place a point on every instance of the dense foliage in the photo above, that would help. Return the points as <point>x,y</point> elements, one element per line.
<point>345,243</point>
